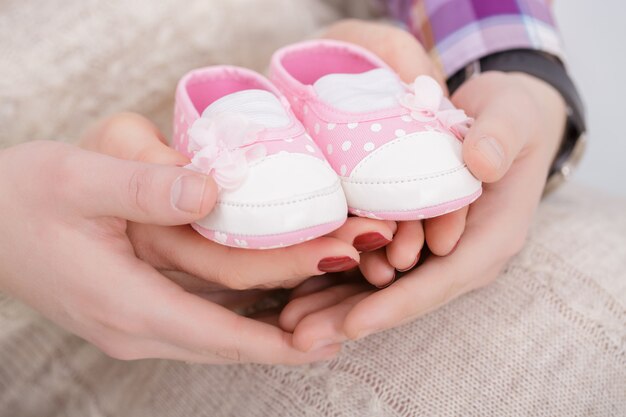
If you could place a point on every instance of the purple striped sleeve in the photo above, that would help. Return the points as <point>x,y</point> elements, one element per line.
<point>457,32</point>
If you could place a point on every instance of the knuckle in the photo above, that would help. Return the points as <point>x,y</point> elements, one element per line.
<point>137,190</point>
<point>232,351</point>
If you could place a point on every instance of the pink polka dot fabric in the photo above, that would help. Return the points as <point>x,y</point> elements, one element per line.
<point>396,162</point>
<point>345,137</point>
<point>299,197</point>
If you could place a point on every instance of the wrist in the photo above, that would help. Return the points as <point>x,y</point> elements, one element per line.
<point>549,70</point>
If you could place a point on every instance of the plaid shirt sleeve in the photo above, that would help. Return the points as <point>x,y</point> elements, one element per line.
<point>458,32</point>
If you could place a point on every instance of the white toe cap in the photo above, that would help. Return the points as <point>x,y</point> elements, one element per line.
<point>415,155</point>
<point>282,193</point>
<point>416,171</point>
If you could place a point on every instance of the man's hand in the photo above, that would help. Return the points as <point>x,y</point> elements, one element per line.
<point>519,125</point>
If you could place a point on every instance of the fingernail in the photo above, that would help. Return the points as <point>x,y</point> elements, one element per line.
<point>336,264</point>
<point>364,333</point>
<point>320,344</point>
<point>188,193</point>
<point>491,150</point>
<point>412,265</point>
<point>368,242</point>
<point>328,352</point>
<point>391,281</point>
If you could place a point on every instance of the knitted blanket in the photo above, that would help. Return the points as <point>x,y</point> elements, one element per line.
<point>548,338</point>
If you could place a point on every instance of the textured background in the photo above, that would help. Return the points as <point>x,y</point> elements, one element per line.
<point>594,34</point>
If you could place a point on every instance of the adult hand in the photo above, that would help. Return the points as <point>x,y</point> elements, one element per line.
<point>405,55</point>
<point>199,264</point>
<point>64,250</point>
<point>519,125</point>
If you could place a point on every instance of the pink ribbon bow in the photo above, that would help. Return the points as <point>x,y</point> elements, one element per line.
<point>224,145</point>
<point>427,103</point>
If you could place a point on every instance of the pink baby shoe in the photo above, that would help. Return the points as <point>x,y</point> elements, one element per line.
<point>276,187</point>
<point>397,147</point>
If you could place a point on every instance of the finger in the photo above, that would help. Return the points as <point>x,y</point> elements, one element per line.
<point>489,241</point>
<point>217,294</point>
<point>132,137</point>
<point>326,327</point>
<point>320,283</point>
<point>123,347</point>
<point>301,307</point>
<point>404,251</point>
<point>365,234</point>
<point>498,134</point>
<point>243,269</point>
<point>443,232</point>
<point>100,185</point>
<point>377,269</point>
<point>433,284</point>
<point>211,331</point>
<point>313,285</point>
<point>189,282</point>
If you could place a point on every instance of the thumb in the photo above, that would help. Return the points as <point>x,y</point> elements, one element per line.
<point>137,191</point>
<point>504,124</point>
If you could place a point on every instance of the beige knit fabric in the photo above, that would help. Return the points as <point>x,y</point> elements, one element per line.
<point>547,339</point>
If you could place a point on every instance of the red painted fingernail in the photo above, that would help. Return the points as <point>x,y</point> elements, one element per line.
<point>336,264</point>
<point>368,242</point>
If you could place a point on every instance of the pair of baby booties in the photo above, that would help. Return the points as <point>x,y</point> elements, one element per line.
<point>332,131</point>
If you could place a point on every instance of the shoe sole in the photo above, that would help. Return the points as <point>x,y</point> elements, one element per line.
<point>420,213</point>
<point>269,241</point>
<point>412,198</point>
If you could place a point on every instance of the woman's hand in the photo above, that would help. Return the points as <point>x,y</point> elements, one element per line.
<point>199,264</point>
<point>64,250</point>
<point>519,126</point>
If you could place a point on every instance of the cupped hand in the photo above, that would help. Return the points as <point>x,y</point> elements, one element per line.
<point>519,126</point>
<point>402,52</point>
<point>199,264</point>
<point>64,251</point>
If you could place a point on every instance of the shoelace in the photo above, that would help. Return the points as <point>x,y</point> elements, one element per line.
<point>428,103</point>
